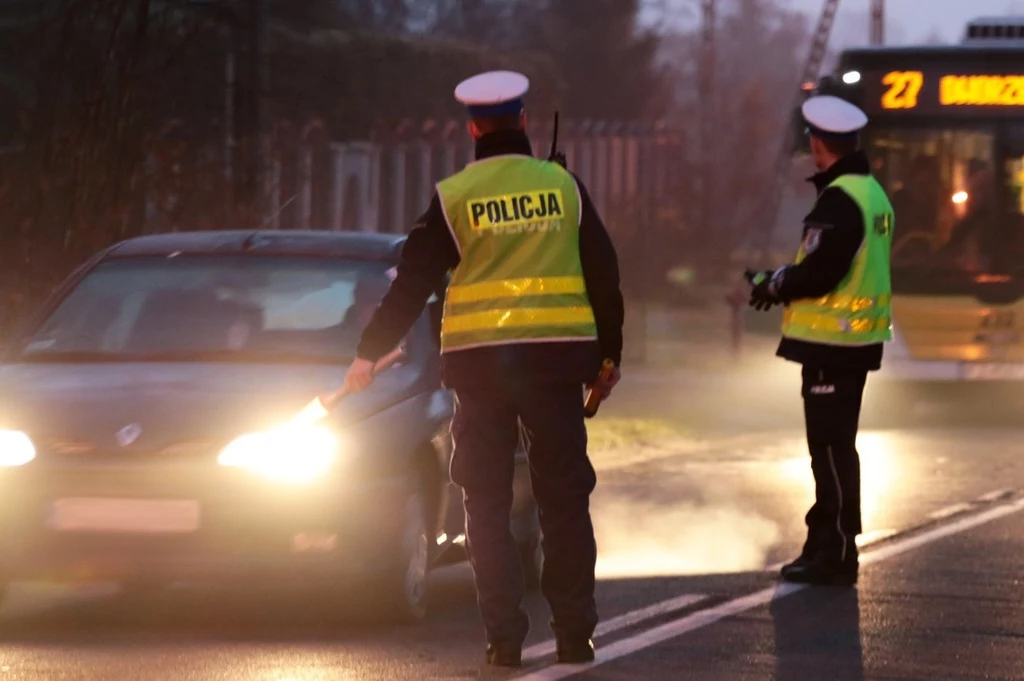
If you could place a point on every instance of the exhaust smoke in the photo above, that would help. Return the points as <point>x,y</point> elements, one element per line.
<point>638,539</point>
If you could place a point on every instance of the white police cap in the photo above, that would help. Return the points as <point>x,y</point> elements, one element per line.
<point>495,93</point>
<point>830,116</point>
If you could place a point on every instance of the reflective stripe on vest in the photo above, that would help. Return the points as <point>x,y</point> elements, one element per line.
<point>518,317</point>
<point>834,325</point>
<point>488,290</point>
<point>519,279</point>
<point>859,311</point>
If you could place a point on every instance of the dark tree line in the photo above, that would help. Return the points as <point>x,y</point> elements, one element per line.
<point>115,110</point>
<point>102,97</point>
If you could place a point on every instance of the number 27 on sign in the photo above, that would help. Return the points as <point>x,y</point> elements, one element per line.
<point>904,87</point>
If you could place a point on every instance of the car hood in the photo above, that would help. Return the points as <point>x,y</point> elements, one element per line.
<point>177,402</point>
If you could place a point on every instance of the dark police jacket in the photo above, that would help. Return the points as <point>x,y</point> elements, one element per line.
<point>841,226</point>
<point>430,252</point>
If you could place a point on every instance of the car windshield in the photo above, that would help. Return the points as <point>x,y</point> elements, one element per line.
<point>214,308</point>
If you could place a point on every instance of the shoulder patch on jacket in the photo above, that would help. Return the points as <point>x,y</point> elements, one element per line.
<point>813,232</point>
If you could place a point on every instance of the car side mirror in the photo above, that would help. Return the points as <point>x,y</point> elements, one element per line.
<point>435,311</point>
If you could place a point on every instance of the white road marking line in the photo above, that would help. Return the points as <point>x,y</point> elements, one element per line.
<point>873,537</point>
<point>664,632</point>
<point>994,496</point>
<point>703,618</point>
<point>948,511</point>
<point>942,531</point>
<point>622,622</point>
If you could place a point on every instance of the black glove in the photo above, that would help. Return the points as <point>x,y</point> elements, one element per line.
<point>761,297</point>
<point>752,276</point>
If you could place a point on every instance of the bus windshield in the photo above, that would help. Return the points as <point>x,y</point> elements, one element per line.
<point>956,193</point>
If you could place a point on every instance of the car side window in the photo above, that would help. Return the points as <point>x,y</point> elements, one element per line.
<point>312,311</point>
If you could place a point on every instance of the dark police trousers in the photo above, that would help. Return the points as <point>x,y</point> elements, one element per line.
<point>486,434</point>
<point>832,402</point>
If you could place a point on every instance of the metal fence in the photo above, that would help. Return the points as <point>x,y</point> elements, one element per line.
<point>383,184</point>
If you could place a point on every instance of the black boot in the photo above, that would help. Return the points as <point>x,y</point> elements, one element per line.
<point>801,560</point>
<point>574,650</point>
<point>798,563</point>
<point>504,655</point>
<point>823,569</point>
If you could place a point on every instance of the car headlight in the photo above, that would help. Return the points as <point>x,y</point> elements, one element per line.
<point>16,449</point>
<point>287,454</point>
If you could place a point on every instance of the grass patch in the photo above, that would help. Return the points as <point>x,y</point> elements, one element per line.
<point>613,433</point>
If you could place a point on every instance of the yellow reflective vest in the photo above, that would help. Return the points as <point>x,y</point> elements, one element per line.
<point>859,310</point>
<point>516,222</point>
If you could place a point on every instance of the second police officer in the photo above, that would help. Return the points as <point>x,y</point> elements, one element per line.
<point>532,308</point>
<point>837,317</point>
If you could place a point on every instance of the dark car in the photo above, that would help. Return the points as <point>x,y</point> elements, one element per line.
<point>148,435</point>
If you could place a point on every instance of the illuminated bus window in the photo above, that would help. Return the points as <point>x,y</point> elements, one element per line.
<point>1015,183</point>
<point>942,186</point>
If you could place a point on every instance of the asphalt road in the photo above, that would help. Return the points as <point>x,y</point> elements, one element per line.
<point>692,513</point>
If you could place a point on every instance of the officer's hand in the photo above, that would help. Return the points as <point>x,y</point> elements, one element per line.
<point>359,376</point>
<point>761,296</point>
<point>603,386</point>
<point>755,277</point>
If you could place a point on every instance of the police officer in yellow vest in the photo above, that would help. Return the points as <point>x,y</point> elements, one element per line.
<point>836,319</point>
<point>532,308</point>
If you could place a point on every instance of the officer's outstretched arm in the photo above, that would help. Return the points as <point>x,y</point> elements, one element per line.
<point>429,252</point>
<point>833,234</point>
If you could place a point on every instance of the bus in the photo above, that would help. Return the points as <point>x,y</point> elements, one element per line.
<point>946,140</point>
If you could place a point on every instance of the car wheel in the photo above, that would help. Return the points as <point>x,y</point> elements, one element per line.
<point>526,527</point>
<point>404,591</point>
<point>531,553</point>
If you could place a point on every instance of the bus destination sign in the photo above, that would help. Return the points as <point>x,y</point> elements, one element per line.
<point>919,92</point>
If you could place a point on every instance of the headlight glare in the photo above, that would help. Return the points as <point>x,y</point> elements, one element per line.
<point>16,449</point>
<point>287,454</point>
